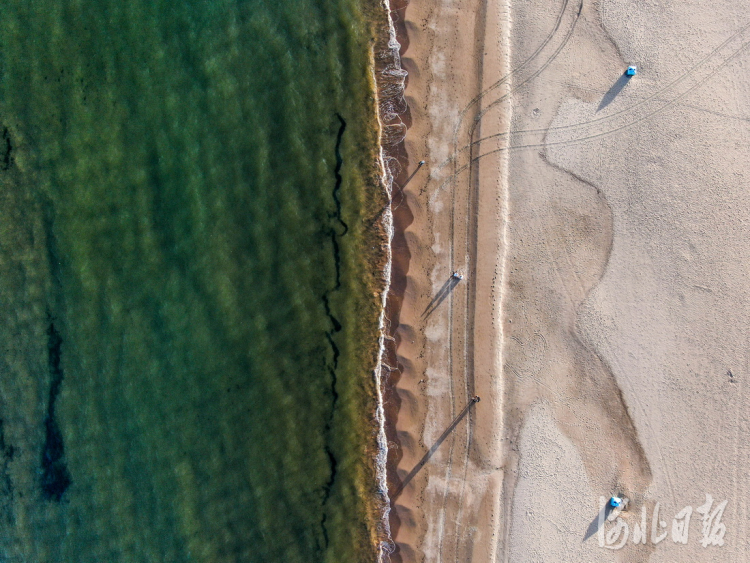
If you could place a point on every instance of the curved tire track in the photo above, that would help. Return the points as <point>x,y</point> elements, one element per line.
<point>653,97</point>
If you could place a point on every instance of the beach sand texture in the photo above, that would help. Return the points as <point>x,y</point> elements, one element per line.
<point>600,222</point>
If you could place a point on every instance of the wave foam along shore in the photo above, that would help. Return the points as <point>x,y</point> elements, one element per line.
<point>389,78</point>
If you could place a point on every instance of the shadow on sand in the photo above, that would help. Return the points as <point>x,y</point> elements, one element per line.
<point>422,462</point>
<point>598,519</point>
<point>440,296</point>
<point>612,93</point>
<point>400,192</point>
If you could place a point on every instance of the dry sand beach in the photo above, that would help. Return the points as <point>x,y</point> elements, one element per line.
<point>600,223</point>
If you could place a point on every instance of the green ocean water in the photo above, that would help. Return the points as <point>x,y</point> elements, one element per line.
<point>187,265</point>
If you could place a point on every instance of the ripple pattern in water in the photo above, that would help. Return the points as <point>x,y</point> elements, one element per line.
<point>187,328</point>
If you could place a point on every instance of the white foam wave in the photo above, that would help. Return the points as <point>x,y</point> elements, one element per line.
<point>390,80</point>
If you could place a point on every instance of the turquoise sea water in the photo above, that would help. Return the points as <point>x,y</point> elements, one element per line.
<point>186,281</point>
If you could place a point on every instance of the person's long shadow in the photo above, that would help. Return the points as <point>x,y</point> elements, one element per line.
<point>598,519</point>
<point>422,462</point>
<point>440,296</point>
<point>612,93</point>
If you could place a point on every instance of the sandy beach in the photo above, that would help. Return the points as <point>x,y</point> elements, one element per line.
<point>598,222</point>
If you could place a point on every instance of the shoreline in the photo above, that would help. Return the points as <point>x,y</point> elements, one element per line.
<point>456,231</point>
<point>393,121</point>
